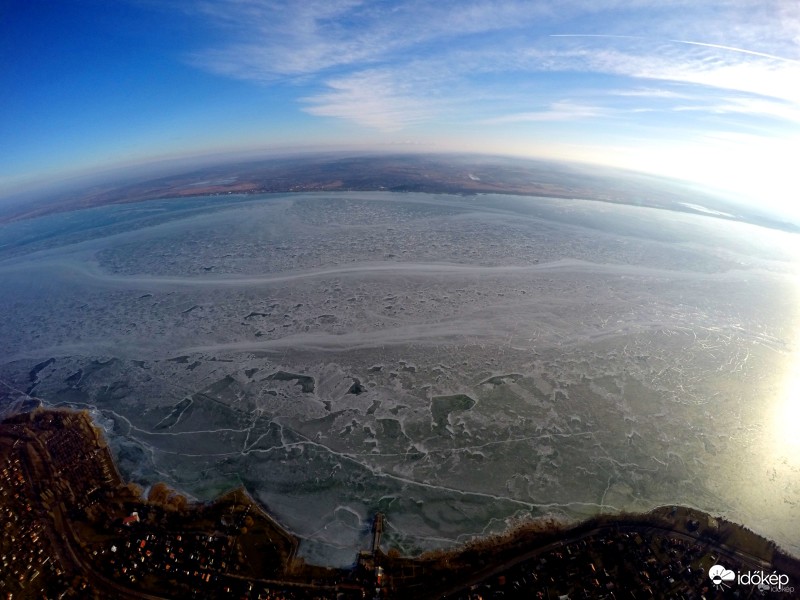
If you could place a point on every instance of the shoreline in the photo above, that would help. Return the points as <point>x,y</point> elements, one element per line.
<point>73,489</point>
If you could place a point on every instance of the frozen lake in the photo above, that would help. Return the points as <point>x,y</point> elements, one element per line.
<point>455,362</point>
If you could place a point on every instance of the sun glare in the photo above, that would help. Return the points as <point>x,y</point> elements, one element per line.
<point>786,415</point>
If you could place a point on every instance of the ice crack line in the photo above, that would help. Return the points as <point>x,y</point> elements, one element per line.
<point>439,488</point>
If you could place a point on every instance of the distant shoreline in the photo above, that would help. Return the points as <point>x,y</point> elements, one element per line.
<point>432,174</point>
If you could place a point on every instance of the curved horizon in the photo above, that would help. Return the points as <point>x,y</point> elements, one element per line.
<point>703,94</point>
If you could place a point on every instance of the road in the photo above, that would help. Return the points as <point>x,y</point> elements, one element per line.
<point>493,571</point>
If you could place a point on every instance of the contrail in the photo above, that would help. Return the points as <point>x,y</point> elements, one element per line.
<point>741,50</point>
<point>598,35</point>
<point>690,43</point>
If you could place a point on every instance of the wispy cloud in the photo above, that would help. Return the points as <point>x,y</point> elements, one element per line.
<point>772,109</point>
<point>272,39</point>
<point>557,111</point>
<point>391,65</point>
<point>371,98</point>
<point>687,42</point>
<point>702,66</point>
<point>739,50</point>
<point>650,93</point>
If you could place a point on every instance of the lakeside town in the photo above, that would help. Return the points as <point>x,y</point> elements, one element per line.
<point>73,528</point>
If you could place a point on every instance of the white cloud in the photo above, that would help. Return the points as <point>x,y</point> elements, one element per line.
<point>763,107</point>
<point>271,39</point>
<point>650,93</point>
<point>389,65</point>
<point>557,111</point>
<point>670,62</point>
<point>740,50</point>
<point>371,98</point>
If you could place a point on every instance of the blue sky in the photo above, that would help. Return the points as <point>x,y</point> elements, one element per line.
<point>706,91</point>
